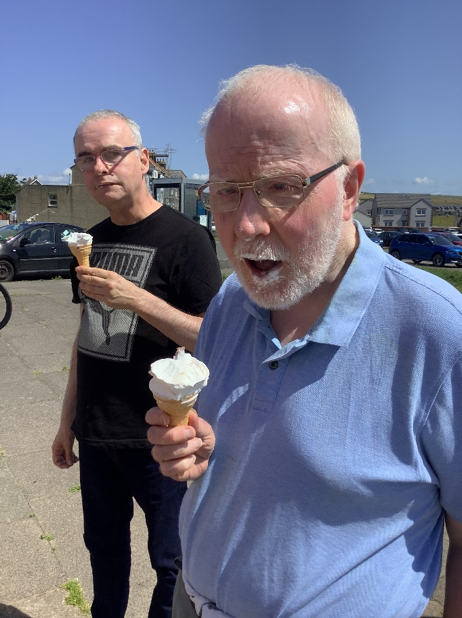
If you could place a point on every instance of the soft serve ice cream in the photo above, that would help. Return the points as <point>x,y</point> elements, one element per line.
<point>80,244</point>
<point>176,383</point>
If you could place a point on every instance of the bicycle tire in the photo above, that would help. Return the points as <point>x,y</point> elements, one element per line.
<point>6,313</point>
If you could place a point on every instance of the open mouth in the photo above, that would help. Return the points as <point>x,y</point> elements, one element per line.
<point>263,268</point>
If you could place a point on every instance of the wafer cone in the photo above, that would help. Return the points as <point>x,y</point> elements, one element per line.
<point>178,411</point>
<point>82,253</point>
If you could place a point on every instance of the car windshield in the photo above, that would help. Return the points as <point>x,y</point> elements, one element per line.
<point>439,240</point>
<point>10,231</point>
<point>372,234</point>
<point>452,237</point>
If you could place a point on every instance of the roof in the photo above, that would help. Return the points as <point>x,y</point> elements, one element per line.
<point>401,200</point>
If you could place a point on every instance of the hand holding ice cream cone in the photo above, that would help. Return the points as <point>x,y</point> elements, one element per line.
<point>176,383</point>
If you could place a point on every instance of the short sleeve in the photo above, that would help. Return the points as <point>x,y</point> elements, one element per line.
<point>197,274</point>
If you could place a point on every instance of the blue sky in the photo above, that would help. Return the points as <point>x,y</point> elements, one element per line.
<point>399,63</point>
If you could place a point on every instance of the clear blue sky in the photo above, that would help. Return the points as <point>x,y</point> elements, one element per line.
<point>399,62</point>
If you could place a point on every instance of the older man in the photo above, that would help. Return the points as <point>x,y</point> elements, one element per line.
<point>153,273</point>
<point>335,388</point>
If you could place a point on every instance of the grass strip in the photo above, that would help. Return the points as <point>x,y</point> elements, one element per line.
<point>75,596</point>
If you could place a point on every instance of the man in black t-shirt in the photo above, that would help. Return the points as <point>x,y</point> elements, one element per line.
<point>152,274</point>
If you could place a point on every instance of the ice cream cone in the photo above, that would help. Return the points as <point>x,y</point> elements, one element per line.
<point>82,253</point>
<point>178,411</point>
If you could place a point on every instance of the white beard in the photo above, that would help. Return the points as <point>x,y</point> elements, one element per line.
<point>301,269</point>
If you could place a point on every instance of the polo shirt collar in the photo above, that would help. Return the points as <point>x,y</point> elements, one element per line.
<point>338,323</point>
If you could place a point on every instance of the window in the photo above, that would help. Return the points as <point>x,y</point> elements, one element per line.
<point>405,222</point>
<point>388,223</point>
<point>52,200</point>
<point>405,211</point>
<point>388,211</point>
<point>421,211</point>
<point>419,224</point>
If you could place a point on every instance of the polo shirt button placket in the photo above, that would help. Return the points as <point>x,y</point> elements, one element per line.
<point>273,365</point>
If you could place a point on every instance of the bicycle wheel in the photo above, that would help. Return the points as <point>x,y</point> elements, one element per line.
<point>6,307</point>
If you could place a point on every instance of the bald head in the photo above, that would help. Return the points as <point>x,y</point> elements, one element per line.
<point>267,92</point>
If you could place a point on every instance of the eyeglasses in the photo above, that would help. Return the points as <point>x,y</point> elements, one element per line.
<point>276,192</point>
<point>111,156</point>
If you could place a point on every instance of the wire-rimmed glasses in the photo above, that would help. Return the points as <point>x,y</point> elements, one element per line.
<point>110,156</point>
<point>284,191</point>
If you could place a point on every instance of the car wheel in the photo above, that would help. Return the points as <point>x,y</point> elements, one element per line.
<point>416,261</point>
<point>396,254</point>
<point>6,271</point>
<point>438,260</point>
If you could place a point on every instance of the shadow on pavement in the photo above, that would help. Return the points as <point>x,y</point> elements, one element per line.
<point>8,611</point>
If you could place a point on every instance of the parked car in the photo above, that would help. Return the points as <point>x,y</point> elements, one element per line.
<point>387,237</point>
<point>35,249</point>
<point>456,240</point>
<point>425,248</point>
<point>374,237</point>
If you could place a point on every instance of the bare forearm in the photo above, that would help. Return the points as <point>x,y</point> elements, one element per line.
<point>178,326</point>
<point>70,395</point>
<point>110,288</point>
<point>453,595</point>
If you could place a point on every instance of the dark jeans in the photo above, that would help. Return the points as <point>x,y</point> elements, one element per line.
<point>110,479</point>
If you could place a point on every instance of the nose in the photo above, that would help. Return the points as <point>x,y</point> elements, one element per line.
<point>100,166</point>
<point>252,219</point>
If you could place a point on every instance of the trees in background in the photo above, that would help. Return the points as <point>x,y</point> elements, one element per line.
<point>9,186</point>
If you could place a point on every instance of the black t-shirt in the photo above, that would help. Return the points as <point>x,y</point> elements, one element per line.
<point>172,257</point>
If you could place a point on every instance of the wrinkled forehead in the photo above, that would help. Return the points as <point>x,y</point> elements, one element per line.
<point>264,124</point>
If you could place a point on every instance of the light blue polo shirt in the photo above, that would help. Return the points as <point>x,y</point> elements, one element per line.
<point>335,454</point>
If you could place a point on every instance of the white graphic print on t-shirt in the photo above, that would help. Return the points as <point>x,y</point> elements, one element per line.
<point>105,332</point>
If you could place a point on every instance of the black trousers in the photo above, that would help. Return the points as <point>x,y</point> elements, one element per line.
<point>110,479</point>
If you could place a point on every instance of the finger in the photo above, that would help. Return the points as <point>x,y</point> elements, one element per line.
<point>170,435</point>
<point>92,270</point>
<point>178,469</point>
<point>155,416</point>
<point>176,451</point>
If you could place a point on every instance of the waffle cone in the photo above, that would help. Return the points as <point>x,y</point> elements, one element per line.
<point>177,410</point>
<point>82,253</point>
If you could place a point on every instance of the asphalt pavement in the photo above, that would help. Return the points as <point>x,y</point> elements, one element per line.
<point>41,546</point>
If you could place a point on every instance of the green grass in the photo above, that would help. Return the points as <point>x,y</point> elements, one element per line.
<point>47,537</point>
<point>447,200</point>
<point>74,489</point>
<point>445,220</point>
<point>75,596</point>
<point>451,275</point>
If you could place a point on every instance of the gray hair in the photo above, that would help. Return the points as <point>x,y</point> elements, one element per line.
<point>112,113</point>
<point>343,141</point>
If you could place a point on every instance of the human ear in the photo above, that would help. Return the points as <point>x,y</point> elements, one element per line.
<point>352,187</point>
<point>144,160</point>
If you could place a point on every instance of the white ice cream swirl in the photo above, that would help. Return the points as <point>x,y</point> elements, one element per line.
<point>178,377</point>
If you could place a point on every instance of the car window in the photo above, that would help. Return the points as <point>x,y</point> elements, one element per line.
<point>436,239</point>
<point>65,230</point>
<point>40,235</point>
<point>10,231</point>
